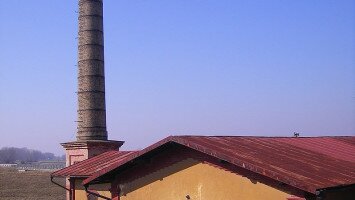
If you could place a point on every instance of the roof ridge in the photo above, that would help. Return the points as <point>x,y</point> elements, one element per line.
<point>261,136</point>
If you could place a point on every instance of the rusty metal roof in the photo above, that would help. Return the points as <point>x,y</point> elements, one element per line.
<point>306,163</point>
<point>90,166</point>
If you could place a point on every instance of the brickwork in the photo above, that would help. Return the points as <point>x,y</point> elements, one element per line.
<point>91,78</point>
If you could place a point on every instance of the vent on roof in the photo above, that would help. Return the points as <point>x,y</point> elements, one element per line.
<point>295,134</point>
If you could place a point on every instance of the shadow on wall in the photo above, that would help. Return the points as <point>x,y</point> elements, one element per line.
<point>158,175</point>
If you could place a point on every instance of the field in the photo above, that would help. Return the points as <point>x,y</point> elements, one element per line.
<point>30,185</point>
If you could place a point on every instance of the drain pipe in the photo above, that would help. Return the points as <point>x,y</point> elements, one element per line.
<point>55,183</point>
<point>95,193</point>
<point>59,184</point>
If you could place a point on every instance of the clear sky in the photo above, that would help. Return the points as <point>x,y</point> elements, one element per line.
<point>226,67</point>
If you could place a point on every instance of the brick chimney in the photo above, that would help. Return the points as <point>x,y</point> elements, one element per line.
<point>91,130</point>
<point>91,77</point>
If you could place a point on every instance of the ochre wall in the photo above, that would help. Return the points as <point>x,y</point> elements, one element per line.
<point>80,193</point>
<point>200,181</point>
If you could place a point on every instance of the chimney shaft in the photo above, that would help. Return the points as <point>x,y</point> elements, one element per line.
<point>91,77</point>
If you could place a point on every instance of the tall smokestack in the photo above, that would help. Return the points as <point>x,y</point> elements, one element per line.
<point>91,135</point>
<point>91,77</point>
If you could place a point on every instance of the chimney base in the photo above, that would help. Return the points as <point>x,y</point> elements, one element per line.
<point>81,150</point>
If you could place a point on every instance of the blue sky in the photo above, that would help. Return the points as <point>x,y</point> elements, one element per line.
<point>181,67</point>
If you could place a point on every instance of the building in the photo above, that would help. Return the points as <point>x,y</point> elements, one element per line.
<point>8,165</point>
<point>190,167</point>
<point>228,168</point>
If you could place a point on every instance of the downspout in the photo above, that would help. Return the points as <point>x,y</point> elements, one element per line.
<point>55,183</point>
<point>58,184</point>
<point>72,187</point>
<point>94,193</point>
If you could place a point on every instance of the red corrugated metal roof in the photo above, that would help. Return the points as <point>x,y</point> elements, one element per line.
<point>306,163</point>
<point>88,167</point>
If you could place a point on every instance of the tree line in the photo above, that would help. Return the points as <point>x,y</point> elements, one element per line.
<point>10,155</point>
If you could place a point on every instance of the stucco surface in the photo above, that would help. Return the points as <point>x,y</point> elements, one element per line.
<point>198,181</point>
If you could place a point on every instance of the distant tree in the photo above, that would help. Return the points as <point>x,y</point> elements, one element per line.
<point>24,155</point>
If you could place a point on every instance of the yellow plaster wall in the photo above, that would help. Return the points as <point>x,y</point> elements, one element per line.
<point>200,181</point>
<point>102,189</point>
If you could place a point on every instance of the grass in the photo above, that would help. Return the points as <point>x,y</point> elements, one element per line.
<point>29,185</point>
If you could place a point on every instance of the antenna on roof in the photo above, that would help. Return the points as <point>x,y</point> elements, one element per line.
<point>295,134</point>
